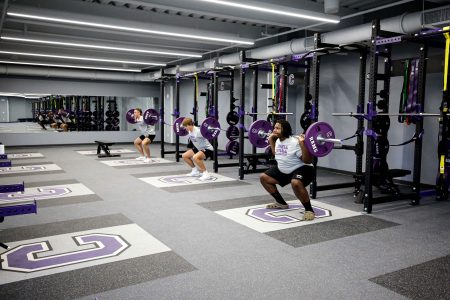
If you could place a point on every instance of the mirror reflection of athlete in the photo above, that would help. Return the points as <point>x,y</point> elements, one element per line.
<point>61,120</point>
<point>41,120</point>
<point>146,138</point>
<point>200,150</point>
<point>294,166</point>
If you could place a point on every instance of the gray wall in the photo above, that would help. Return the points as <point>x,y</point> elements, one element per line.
<point>19,108</point>
<point>52,86</point>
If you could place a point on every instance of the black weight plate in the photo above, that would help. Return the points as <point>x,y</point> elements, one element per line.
<point>381,124</point>
<point>305,120</point>
<point>232,118</point>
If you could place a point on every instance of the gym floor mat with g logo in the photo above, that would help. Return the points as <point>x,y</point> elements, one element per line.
<point>134,162</point>
<point>112,151</point>
<point>81,257</point>
<point>183,180</point>
<point>286,225</point>
<point>30,169</point>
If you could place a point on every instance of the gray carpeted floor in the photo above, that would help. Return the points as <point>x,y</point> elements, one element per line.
<point>193,242</point>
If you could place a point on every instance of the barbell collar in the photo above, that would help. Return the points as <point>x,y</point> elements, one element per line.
<point>329,140</point>
<point>263,134</point>
<point>210,128</point>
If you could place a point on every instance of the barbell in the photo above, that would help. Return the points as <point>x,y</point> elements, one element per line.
<point>319,138</point>
<point>151,117</point>
<point>356,114</point>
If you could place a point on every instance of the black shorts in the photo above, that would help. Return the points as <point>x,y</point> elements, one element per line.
<point>305,174</point>
<point>151,137</point>
<point>208,153</point>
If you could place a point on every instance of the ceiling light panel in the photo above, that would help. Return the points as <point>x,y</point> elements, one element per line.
<point>77,44</point>
<point>276,10</point>
<point>29,63</point>
<point>131,62</point>
<point>59,17</point>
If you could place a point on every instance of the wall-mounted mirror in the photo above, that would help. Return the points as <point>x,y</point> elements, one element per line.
<point>79,113</point>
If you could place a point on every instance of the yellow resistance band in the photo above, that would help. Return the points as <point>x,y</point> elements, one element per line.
<point>447,49</point>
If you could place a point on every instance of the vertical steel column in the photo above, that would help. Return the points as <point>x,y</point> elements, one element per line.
<point>368,193</point>
<point>255,99</point>
<point>314,86</point>
<point>423,52</point>
<point>79,112</point>
<point>360,125</point>
<point>361,102</point>
<point>216,116</point>
<point>231,90</point>
<point>307,95</point>
<point>241,122</point>
<point>161,116</point>
<point>103,112</point>
<point>177,114</point>
<point>195,109</point>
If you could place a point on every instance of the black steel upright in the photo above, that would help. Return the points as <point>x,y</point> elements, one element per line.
<point>361,102</point>
<point>368,193</point>
<point>241,118</point>
<point>195,108</point>
<point>373,73</point>
<point>215,82</point>
<point>161,116</point>
<point>255,101</point>
<point>314,89</point>
<point>359,178</point>
<point>176,115</point>
<point>423,52</point>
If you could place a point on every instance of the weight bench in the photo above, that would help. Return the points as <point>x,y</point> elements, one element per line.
<point>12,207</point>
<point>104,145</point>
<point>16,207</point>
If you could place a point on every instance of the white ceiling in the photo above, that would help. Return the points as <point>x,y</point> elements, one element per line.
<point>193,17</point>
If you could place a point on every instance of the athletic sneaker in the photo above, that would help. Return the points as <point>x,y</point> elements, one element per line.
<point>308,216</point>
<point>277,205</point>
<point>147,160</point>
<point>140,158</point>
<point>194,173</point>
<point>205,176</point>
